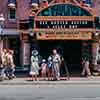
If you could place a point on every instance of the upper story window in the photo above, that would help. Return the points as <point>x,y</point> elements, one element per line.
<point>12,10</point>
<point>12,14</point>
<point>88,3</point>
<point>34,5</point>
<point>34,2</point>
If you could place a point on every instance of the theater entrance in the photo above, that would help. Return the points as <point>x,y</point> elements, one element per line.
<point>70,50</point>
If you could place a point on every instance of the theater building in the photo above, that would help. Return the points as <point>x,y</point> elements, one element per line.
<point>47,24</point>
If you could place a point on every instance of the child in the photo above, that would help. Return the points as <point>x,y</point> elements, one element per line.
<point>50,65</point>
<point>43,68</point>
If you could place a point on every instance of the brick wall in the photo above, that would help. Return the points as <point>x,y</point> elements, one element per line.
<point>22,11</point>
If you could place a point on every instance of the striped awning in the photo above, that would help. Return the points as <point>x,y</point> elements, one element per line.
<point>12,3</point>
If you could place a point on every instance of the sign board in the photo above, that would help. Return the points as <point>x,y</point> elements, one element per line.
<point>57,24</point>
<point>78,36</point>
<point>63,22</point>
<point>64,9</point>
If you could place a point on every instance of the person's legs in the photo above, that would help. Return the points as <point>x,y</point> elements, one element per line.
<point>57,72</point>
<point>50,74</point>
<point>87,68</point>
<point>44,75</point>
<point>54,72</point>
<point>13,72</point>
<point>83,70</point>
<point>1,74</point>
<point>36,77</point>
<point>32,77</point>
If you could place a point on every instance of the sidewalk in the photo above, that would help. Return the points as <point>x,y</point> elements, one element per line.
<point>72,81</point>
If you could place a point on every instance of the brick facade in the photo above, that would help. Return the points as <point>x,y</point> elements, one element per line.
<point>22,13</point>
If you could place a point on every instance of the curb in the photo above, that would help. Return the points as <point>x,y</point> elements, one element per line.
<point>50,83</point>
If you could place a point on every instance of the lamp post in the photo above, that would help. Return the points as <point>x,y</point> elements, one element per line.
<point>2,19</point>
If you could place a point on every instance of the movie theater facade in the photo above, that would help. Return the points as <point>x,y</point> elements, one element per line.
<point>66,26</point>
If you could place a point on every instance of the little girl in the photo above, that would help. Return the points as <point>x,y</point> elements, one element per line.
<point>50,68</point>
<point>44,68</point>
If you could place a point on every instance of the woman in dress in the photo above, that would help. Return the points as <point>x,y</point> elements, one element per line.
<point>34,65</point>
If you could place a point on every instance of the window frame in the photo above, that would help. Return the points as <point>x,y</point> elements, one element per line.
<point>9,16</point>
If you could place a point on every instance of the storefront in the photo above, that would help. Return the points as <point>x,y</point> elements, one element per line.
<point>11,40</point>
<point>67,26</point>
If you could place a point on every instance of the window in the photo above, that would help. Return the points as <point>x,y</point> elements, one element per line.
<point>12,14</point>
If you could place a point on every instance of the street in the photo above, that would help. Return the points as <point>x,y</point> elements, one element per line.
<point>50,92</point>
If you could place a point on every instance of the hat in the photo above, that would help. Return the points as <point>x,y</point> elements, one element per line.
<point>43,60</point>
<point>50,58</point>
<point>35,52</point>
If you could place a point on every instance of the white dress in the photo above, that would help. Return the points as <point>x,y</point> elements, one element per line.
<point>34,65</point>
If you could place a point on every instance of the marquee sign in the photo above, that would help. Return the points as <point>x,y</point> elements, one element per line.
<point>67,22</point>
<point>63,17</point>
<point>66,36</point>
<point>64,9</point>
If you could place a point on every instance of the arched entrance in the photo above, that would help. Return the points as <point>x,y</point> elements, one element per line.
<point>64,26</point>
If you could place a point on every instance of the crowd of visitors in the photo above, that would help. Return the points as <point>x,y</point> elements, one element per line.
<point>51,66</point>
<point>48,68</point>
<point>7,66</point>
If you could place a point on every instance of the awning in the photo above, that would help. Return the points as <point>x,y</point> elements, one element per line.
<point>10,32</point>
<point>12,3</point>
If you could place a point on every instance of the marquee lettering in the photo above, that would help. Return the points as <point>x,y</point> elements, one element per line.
<point>64,10</point>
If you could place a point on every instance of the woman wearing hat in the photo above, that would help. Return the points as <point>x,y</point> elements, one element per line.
<point>34,65</point>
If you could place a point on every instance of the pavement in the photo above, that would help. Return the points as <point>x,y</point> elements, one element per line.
<point>50,92</point>
<point>64,81</point>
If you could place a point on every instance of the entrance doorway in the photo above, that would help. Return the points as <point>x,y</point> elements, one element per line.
<point>14,44</point>
<point>70,50</point>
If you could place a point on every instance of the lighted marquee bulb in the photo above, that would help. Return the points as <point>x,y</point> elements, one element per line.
<point>53,26</point>
<point>46,22</point>
<point>85,22</point>
<point>73,26</point>
<point>70,26</point>
<point>77,22</point>
<point>63,22</point>
<point>43,22</point>
<point>51,22</point>
<point>40,22</point>
<point>96,33</point>
<point>57,22</point>
<point>66,22</point>
<point>48,26</point>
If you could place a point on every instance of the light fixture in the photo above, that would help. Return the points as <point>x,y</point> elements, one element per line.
<point>2,19</point>
<point>96,33</point>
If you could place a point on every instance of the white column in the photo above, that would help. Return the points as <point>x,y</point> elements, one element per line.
<point>1,45</point>
<point>25,53</point>
<point>95,49</point>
